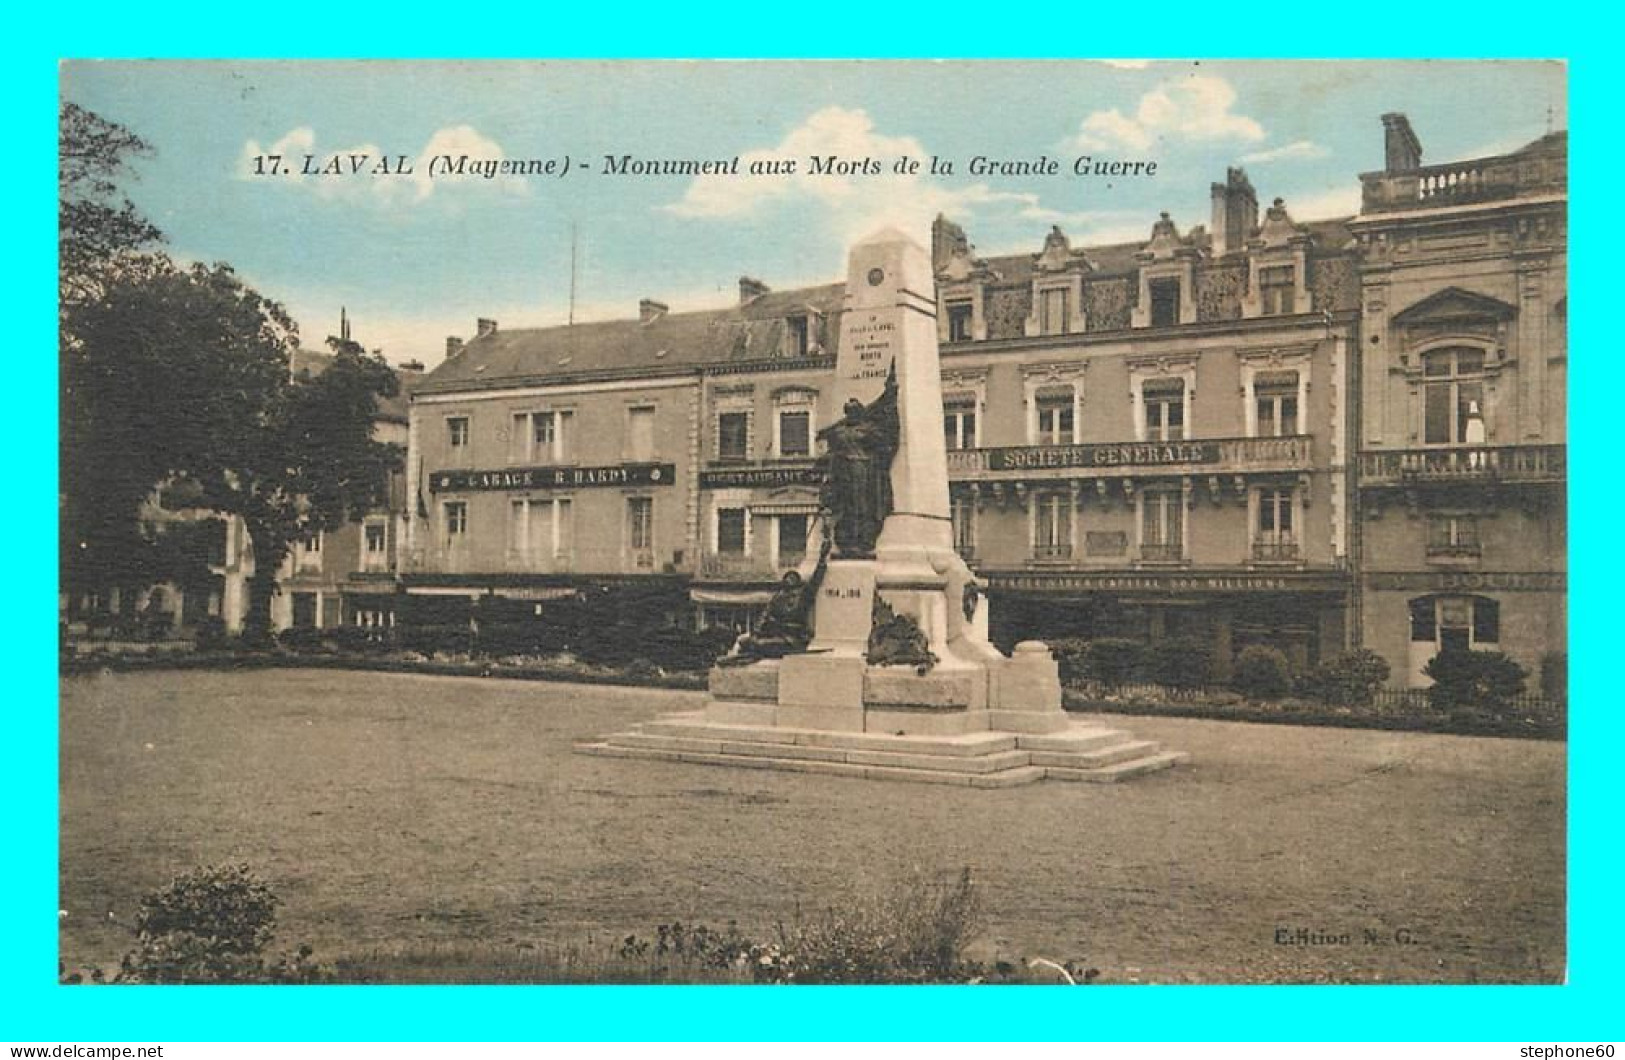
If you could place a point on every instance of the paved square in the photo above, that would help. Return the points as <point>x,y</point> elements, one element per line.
<point>394,811</point>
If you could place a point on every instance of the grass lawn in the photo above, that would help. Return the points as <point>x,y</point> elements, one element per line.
<point>422,815</point>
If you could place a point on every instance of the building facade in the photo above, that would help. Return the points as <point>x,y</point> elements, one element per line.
<point>1463,367</point>
<point>1306,435</point>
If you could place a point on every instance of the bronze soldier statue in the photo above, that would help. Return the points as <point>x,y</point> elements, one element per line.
<point>857,481</point>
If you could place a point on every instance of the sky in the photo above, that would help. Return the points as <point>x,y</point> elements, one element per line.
<point>414,257</point>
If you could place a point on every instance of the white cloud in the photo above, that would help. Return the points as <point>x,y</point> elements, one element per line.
<point>1325,204</point>
<point>853,205</point>
<point>1190,108</point>
<point>367,172</point>
<point>1297,150</point>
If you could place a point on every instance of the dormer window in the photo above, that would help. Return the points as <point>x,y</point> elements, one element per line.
<point>1164,302</point>
<point>797,336</point>
<point>1275,290</point>
<point>960,317</point>
<point>1052,315</point>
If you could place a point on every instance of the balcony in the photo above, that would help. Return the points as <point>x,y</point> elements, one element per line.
<point>1196,456</point>
<point>1153,553</point>
<point>1461,183</point>
<point>1494,463</point>
<point>739,567</point>
<point>1453,551</point>
<point>1281,551</point>
<point>1051,553</point>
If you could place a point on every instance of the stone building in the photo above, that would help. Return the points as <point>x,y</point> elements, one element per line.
<point>1151,440</point>
<point>1463,368</point>
<point>1306,434</point>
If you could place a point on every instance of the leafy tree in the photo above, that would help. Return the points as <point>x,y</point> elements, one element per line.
<point>102,239</point>
<point>98,228</point>
<point>180,378</point>
<point>306,462</point>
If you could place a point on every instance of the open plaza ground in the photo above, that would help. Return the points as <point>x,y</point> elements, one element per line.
<point>398,814</point>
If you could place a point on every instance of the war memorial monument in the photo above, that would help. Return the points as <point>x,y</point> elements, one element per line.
<point>873,659</point>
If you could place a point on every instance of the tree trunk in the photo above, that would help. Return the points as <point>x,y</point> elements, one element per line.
<point>268,557</point>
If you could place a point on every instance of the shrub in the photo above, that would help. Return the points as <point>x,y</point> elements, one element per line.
<point>1554,676</point>
<point>432,639</point>
<point>210,634</point>
<point>1072,657</point>
<point>1178,662</point>
<point>1350,679</point>
<point>1113,660</point>
<point>1473,679</point>
<point>212,925</point>
<point>1262,672</point>
<point>913,932</point>
<point>300,638</point>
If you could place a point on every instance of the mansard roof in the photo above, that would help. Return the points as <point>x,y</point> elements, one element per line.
<point>753,331</point>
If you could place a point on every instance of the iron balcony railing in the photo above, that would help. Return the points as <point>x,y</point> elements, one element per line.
<point>1502,463</point>
<point>1281,551</point>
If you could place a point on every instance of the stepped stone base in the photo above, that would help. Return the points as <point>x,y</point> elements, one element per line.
<point>982,759</point>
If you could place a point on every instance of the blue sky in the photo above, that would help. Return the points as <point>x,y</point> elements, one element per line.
<point>416,259</point>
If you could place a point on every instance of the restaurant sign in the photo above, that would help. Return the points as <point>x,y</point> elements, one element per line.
<point>547,478</point>
<point>760,478</point>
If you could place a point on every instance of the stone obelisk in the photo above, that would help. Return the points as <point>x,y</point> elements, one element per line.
<point>926,697</point>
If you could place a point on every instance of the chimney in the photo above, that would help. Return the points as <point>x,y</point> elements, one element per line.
<point>410,367</point>
<point>484,326</point>
<point>454,346</point>
<point>650,310</point>
<point>1235,212</point>
<point>1403,150</point>
<point>750,290</point>
<point>947,239</point>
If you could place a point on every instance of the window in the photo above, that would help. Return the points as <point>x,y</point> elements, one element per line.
<point>1453,535</point>
<point>457,432</point>
<point>959,421</point>
<point>541,437</point>
<point>1276,294</point>
<point>1275,400</point>
<point>1052,311</point>
<point>640,529</point>
<point>730,531</point>
<point>1273,535</point>
<point>733,436</point>
<point>1453,398</point>
<point>1164,302</point>
<point>796,333</point>
<point>1052,526</point>
<point>963,511</point>
<point>795,432</point>
<point>456,521</point>
<point>310,553</point>
<point>1055,417</point>
<point>1162,524</point>
<point>564,537</point>
<point>1164,410</point>
<point>960,319</point>
<point>375,535</point>
<point>792,540</point>
<point>640,434</point>
<point>1456,623</point>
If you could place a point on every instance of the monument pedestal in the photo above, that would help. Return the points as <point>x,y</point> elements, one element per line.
<point>926,698</point>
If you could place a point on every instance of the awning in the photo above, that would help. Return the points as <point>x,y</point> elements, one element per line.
<point>733,597</point>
